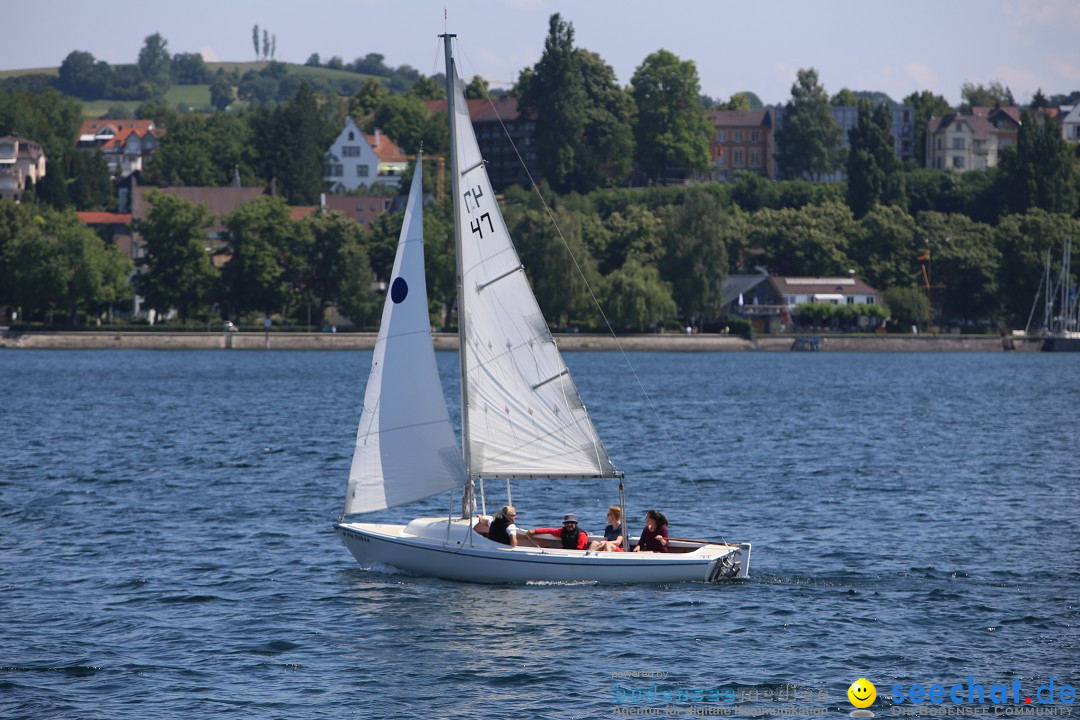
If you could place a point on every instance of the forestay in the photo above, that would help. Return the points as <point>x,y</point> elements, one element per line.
<point>405,445</point>
<point>526,418</point>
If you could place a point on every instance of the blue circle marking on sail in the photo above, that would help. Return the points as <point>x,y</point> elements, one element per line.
<point>399,290</point>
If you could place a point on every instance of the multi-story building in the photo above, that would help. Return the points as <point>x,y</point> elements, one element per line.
<point>22,162</point>
<point>489,118</point>
<point>126,144</point>
<point>970,141</point>
<point>742,140</point>
<point>358,160</point>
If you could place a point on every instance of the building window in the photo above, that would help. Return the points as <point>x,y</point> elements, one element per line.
<point>958,161</point>
<point>755,136</point>
<point>869,299</point>
<point>738,136</point>
<point>350,151</point>
<point>721,136</point>
<point>351,136</point>
<point>958,143</point>
<point>361,171</point>
<point>738,157</point>
<point>333,170</point>
<point>755,157</point>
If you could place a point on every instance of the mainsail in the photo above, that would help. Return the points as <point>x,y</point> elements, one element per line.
<point>525,417</point>
<point>405,445</point>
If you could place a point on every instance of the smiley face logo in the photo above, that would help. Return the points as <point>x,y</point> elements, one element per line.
<point>862,693</point>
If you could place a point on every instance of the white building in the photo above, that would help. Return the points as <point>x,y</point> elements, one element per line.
<point>358,160</point>
<point>1070,123</point>
<point>21,162</point>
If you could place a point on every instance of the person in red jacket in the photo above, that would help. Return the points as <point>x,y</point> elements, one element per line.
<point>572,537</point>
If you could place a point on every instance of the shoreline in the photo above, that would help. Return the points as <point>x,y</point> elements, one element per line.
<point>164,340</point>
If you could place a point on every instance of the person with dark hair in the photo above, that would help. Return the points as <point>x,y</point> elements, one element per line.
<point>502,529</point>
<point>613,537</point>
<point>654,538</point>
<point>572,537</point>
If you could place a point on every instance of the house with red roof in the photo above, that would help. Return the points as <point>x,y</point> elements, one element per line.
<point>22,162</point>
<point>126,144</point>
<point>357,159</point>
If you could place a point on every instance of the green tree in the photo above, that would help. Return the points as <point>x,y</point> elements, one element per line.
<point>1023,241</point>
<point>672,131</point>
<point>873,170</point>
<point>636,297</point>
<point>155,65</point>
<point>1038,171</point>
<point>925,105</point>
<point>695,256</point>
<point>633,234</point>
<point>255,40</point>
<point>178,271</point>
<point>813,240</point>
<point>368,99</point>
<point>966,262</point>
<point>808,140</point>
<point>405,119</point>
<point>54,262</point>
<point>335,254</point>
<point>554,91</point>
<point>606,155</point>
<point>221,93</point>
<point>189,69</point>
<point>844,98</point>
<point>477,89</point>
<point>84,77</point>
<point>183,158</point>
<point>738,101</point>
<point>908,306</point>
<point>426,88</point>
<point>549,256</point>
<point>261,240</point>
<point>356,299</point>
<point>310,123</point>
<point>886,248</point>
<point>979,96</point>
<point>583,117</point>
<point>91,185</point>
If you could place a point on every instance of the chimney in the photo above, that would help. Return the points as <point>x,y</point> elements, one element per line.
<point>378,137</point>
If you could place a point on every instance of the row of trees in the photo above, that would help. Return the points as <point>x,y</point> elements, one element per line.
<point>84,76</point>
<point>52,263</point>
<point>650,257</point>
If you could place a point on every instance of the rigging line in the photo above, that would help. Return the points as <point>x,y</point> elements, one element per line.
<point>577,266</point>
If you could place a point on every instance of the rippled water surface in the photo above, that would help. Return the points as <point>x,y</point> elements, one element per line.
<point>166,549</point>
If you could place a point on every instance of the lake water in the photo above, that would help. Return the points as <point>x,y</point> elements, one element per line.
<point>166,547</point>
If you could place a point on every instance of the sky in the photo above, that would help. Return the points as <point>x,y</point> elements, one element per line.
<point>893,47</point>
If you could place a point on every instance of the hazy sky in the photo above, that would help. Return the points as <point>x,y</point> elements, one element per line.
<point>895,47</point>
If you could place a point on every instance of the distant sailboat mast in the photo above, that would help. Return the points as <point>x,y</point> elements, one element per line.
<point>468,501</point>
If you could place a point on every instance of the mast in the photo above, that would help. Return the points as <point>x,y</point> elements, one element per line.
<point>468,501</point>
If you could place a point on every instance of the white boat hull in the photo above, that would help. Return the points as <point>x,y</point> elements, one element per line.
<point>437,548</point>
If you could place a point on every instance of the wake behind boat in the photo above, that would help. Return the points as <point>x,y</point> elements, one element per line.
<point>522,416</point>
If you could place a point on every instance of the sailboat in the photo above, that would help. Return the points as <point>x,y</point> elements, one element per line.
<point>1061,322</point>
<point>522,417</point>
